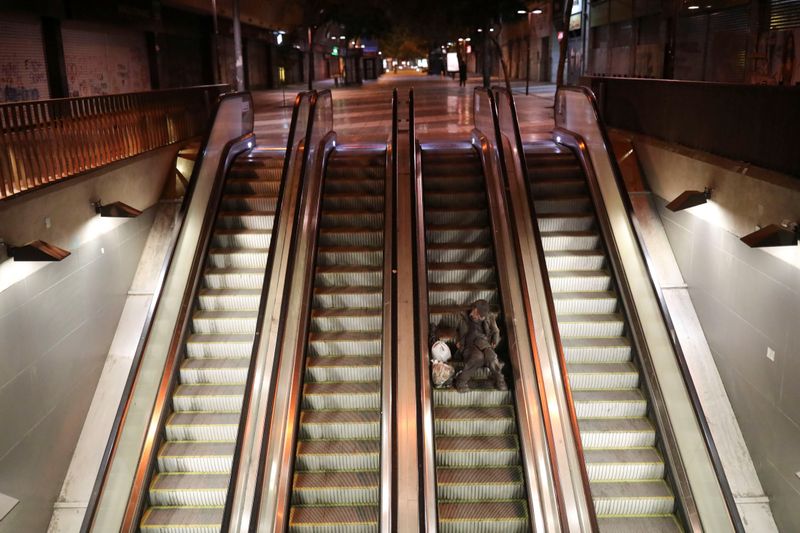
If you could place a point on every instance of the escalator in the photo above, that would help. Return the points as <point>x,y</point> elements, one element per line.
<point>337,475</point>
<point>625,466</point>
<point>480,483</point>
<point>193,465</point>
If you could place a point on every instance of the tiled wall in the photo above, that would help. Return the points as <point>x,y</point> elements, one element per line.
<point>56,327</point>
<point>748,300</point>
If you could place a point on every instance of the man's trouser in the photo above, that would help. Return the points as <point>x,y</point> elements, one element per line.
<point>475,359</point>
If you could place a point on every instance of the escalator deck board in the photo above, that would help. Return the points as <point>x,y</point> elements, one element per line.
<point>481,485</point>
<point>336,470</point>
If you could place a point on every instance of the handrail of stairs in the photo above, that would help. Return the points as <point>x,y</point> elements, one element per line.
<point>584,131</point>
<point>44,142</point>
<point>263,365</point>
<point>118,493</point>
<point>544,484</point>
<point>507,107</point>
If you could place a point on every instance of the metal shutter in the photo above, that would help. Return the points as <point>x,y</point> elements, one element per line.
<point>727,45</point>
<point>784,14</point>
<point>690,47</point>
<point>23,73</point>
<point>104,61</point>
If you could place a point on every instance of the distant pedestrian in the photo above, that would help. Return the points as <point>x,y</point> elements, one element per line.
<point>462,71</point>
<point>476,338</point>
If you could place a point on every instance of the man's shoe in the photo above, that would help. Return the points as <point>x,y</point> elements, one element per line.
<point>500,383</point>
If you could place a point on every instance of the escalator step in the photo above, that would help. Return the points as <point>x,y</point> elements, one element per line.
<point>624,464</point>
<point>340,424</point>
<point>486,517</point>
<point>202,426</point>
<point>336,236</point>
<point>566,222</point>
<point>182,519</point>
<point>597,350</point>
<point>480,484</point>
<point>650,524</point>
<point>569,240</point>
<point>350,255</point>
<point>342,395</point>
<point>643,498</point>
<point>472,216</point>
<point>233,278</point>
<point>468,421</point>
<point>253,220</point>
<point>224,322</point>
<point>631,432</point>
<point>197,457</point>
<point>344,343</point>
<point>358,368</point>
<point>461,273</point>
<point>498,450</point>
<point>459,253</point>
<point>336,519</point>
<point>249,202</point>
<point>462,233</point>
<point>189,489</point>
<point>229,299</point>
<point>214,370</point>
<point>208,397</point>
<point>237,257</point>
<point>600,302</point>
<point>579,280</point>
<point>348,296</point>
<point>241,238</point>
<point>574,260</point>
<point>596,376</point>
<point>346,275</point>
<point>482,393</point>
<point>336,488</point>
<point>609,403</point>
<point>591,325</point>
<point>338,454</point>
<point>219,346</point>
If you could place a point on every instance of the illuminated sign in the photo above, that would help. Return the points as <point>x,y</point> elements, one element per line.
<point>452,62</point>
<point>335,51</point>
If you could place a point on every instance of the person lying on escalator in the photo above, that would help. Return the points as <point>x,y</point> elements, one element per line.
<point>477,336</point>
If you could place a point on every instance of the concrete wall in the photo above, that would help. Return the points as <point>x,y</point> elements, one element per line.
<point>748,301</point>
<point>57,321</point>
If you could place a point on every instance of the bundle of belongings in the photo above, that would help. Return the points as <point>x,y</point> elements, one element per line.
<point>475,339</point>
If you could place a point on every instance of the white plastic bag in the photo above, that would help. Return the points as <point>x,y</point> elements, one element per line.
<point>440,351</point>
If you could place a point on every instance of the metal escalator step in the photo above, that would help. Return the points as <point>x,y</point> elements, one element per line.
<point>336,488</point>
<point>639,524</point>
<point>609,403</point>
<point>597,350</point>
<point>324,343</point>
<point>624,464</point>
<point>214,370</point>
<point>565,222</point>
<point>596,376</point>
<point>219,346</point>
<point>497,450</point>
<point>563,204</point>
<point>461,273</point>
<point>189,489</point>
<point>340,424</point>
<point>574,260</point>
<point>336,236</point>
<point>229,299</point>
<point>352,218</point>
<point>252,186</point>
<point>338,454</point>
<point>473,216</point>
<point>459,253</point>
<point>458,233</point>
<point>338,275</point>
<point>593,302</point>
<point>342,395</point>
<point>484,517</point>
<point>642,498</point>
<point>349,201</point>
<point>467,182</point>
<point>199,457</point>
<point>486,483</point>
<point>579,280</point>
<point>263,220</point>
<point>249,202</point>
<point>353,185</point>
<point>346,318</point>
<point>457,197</point>
<point>363,173</point>
<point>202,426</point>
<point>572,184</point>
<point>349,296</point>
<point>592,325</point>
<point>633,432</point>
<point>233,278</point>
<point>334,519</point>
<point>462,294</point>
<point>482,393</point>
<point>182,519</point>
<point>354,368</point>
<point>210,322</point>
<point>208,397</point>
<point>468,421</point>
<point>241,238</point>
<point>238,257</point>
<point>447,315</point>
<point>570,240</point>
<point>350,255</point>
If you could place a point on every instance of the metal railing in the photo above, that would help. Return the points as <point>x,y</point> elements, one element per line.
<point>118,494</point>
<point>694,461</point>
<point>44,142</point>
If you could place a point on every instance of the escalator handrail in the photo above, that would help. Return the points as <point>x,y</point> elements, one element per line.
<point>289,156</point>
<point>551,308</point>
<point>428,511</point>
<point>306,162</point>
<point>694,397</point>
<point>136,363</point>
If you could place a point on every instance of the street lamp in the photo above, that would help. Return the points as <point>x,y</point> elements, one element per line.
<point>536,11</point>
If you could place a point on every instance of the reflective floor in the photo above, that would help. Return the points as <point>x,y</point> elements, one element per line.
<point>443,109</point>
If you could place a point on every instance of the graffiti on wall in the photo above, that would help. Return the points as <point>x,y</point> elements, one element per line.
<point>20,81</point>
<point>775,61</point>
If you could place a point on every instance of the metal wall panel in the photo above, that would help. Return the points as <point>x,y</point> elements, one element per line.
<point>102,60</point>
<point>784,14</point>
<point>23,72</point>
